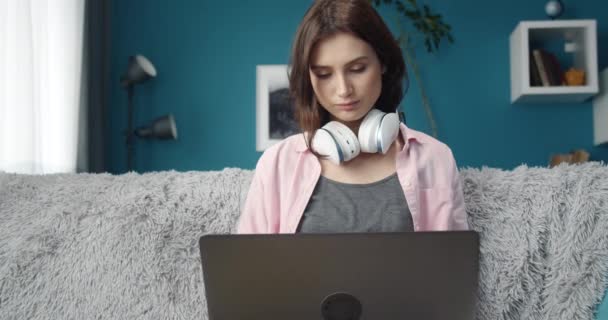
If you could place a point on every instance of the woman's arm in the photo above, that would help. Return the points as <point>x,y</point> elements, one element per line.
<point>459,214</point>
<point>253,217</point>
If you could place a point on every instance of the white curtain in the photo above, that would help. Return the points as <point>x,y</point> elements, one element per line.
<point>41,59</point>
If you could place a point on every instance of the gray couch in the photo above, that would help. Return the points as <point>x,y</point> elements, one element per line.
<point>100,246</point>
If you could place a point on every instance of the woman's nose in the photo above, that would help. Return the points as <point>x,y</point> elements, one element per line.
<point>344,87</point>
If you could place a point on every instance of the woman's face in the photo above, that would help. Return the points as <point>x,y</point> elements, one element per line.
<point>346,76</point>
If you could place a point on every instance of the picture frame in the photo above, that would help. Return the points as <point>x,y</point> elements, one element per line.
<point>274,107</point>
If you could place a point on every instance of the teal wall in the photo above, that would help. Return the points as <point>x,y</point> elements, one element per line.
<point>206,53</point>
<point>469,86</point>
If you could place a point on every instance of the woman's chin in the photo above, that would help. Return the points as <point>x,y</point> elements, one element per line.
<point>348,117</point>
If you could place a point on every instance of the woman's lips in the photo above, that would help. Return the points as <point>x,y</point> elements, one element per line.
<point>347,106</point>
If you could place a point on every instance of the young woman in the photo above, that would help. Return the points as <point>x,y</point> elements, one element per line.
<point>355,167</point>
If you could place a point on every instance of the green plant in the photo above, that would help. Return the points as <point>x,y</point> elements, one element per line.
<point>432,27</point>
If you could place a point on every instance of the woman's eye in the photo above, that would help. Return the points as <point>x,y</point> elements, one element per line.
<point>358,69</point>
<point>323,75</point>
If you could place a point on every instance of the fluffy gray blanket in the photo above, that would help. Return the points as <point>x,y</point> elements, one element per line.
<point>544,240</point>
<point>125,247</point>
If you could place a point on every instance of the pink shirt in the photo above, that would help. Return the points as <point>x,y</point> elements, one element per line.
<point>287,173</point>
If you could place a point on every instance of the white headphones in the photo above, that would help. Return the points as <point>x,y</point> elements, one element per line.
<point>377,132</point>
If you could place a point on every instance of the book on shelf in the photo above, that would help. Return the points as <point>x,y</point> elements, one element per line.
<point>545,69</point>
<point>540,65</point>
<point>535,80</point>
<point>557,74</point>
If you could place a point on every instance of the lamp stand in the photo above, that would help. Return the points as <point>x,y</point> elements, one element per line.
<point>130,134</point>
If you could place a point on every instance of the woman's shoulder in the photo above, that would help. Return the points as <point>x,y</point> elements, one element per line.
<point>283,151</point>
<point>426,142</point>
<point>434,156</point>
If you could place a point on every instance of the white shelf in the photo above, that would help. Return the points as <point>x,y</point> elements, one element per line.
<point>579,39</point>
<point>600,111</point>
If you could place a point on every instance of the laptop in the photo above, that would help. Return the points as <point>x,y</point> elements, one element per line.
<point>357,276</point>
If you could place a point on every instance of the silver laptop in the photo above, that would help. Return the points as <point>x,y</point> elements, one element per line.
<point>363,276</point>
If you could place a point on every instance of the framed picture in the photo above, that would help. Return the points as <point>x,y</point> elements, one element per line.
<point>274,107</point>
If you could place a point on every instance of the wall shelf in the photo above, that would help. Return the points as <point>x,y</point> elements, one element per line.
<point>600,112</point>
<point>573,41</point>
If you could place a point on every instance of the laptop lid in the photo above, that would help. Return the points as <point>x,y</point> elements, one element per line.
<point>413,275</point>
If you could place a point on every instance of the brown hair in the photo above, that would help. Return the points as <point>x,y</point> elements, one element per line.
<point>326,18</point>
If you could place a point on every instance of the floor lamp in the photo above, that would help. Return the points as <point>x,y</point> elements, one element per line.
<point>140,70</point>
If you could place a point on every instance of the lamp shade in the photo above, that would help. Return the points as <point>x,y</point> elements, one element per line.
<point>139,70</point>
<point>161,128</point>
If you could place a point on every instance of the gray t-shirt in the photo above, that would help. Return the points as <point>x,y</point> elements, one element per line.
<point>342,207</point>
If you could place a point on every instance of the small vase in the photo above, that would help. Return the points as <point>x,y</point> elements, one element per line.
<point>575,77</point>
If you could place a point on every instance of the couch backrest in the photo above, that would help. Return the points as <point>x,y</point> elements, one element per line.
<point>97,245</point>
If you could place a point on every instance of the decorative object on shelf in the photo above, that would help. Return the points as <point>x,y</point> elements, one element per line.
<point>140,70</point>
<point>433,28</point>
<point>575,77</point>
<point>274,106</point>
<point>554,9</point>
<point>575,156</point>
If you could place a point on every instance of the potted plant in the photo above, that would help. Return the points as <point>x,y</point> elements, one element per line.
<point>433,29</point>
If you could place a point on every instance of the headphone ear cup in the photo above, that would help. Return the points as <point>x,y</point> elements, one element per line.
<point>387,131</point>
<point>368,131</point>
<point>324,144</point>
<point>378,130</point>
<point>336,141</point>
